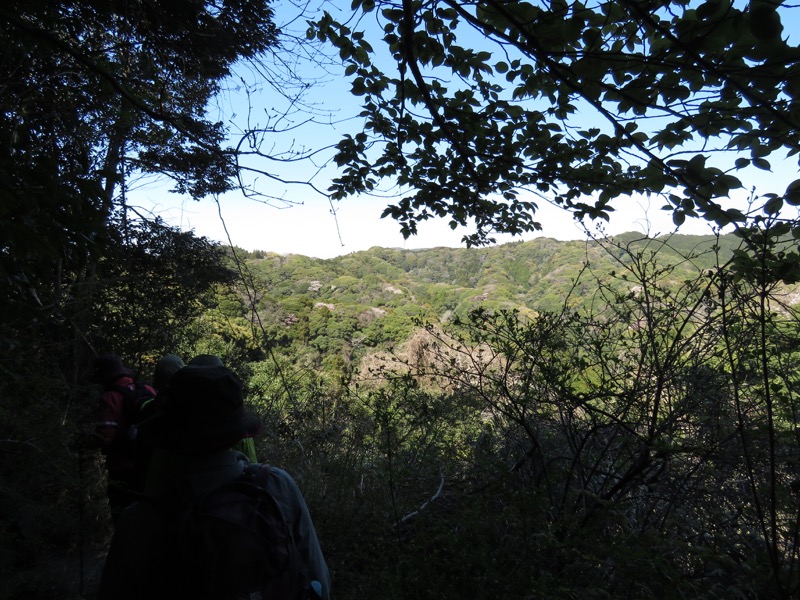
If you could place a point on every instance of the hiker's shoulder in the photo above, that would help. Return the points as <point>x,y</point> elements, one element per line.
<point>278,480</point>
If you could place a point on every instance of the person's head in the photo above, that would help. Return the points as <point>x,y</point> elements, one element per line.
<point>204,411</point>
<point>107,368</point>
<point>166,367</point>
<point>207,360</point>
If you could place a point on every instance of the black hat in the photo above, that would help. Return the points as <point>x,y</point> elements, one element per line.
<point>207,360</point>
<point>107,368</point>
<point>204,411</point>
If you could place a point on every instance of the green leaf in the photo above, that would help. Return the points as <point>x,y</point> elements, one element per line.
<point>762,164</point>
<point>358,89</point>
<point>707,9</point>
<point>696,163</point>
<point>792,194</point>
<point>395,15</point>
<point>773,205</point>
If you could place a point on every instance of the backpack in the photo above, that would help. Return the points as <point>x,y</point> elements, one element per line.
<point>233,543</point>
<point>139,404</point>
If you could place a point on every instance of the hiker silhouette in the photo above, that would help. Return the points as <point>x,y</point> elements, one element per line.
<point>162,457</point>
<point>122,405</point>
<point>163,545</point>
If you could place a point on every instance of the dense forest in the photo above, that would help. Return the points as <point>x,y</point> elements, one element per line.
<point>617,418</point>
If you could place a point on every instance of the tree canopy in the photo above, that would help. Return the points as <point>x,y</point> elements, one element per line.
<point>478,111</point>
<point>92,93</point>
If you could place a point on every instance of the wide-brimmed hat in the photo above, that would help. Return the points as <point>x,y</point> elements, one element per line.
<point>203,411</point>
<point>107,368</point>
<point>207,360</point>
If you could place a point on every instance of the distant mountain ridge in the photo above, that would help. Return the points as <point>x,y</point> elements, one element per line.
<point>536,274</point>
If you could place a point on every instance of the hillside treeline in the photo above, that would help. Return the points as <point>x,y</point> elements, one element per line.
<point>545,419</point>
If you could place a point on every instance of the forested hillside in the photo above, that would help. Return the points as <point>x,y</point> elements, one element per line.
<point>371,299</point>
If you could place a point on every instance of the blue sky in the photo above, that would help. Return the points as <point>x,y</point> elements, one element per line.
<point>297,220</point>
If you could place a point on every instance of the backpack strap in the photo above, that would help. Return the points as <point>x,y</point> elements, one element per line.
<point>258,474</point>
